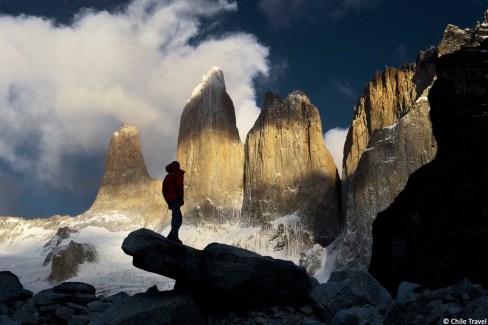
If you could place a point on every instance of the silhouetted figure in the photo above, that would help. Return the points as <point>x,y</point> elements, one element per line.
<point>173,192</point>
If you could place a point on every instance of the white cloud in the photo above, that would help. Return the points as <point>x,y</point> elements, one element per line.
<point>65,89</point>
<point>334,140</point>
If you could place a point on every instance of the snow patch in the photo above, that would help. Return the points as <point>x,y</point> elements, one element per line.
<point>328,261</point>
<point>214,79</point>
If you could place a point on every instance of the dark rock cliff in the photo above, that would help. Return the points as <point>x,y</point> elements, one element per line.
<point>436,231</point>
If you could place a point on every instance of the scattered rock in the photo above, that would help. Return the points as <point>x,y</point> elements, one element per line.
<point>352,289</point>
<point>155,308</point>
<point>11,289</point>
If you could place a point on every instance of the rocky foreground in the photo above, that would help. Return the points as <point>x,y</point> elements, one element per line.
<point>223,284</point>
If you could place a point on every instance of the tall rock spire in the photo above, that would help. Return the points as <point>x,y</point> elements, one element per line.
<point>127,191</point>
<point>289,170</point>
<point>211,152</point>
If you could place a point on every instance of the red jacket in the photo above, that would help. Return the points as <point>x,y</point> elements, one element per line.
<point>173,184</point>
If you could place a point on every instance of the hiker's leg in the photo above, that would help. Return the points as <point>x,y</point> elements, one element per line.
<point>176,220</point>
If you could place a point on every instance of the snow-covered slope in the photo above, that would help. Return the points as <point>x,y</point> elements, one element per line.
<point>113,272</point>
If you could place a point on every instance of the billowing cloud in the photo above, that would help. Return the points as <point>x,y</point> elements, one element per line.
<point>334,140</point>
<point>64,89</point>
<point>283,13</point>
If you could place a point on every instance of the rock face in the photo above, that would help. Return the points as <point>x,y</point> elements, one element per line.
<point>435,232</point>
<point>393,154</point>
<point>396,127</point>
<point>289,170</point>
<point>127,192</point>
<point>211,153</point>
<point>388,96</point>
<point>222,273</point>
<point>53,246</point>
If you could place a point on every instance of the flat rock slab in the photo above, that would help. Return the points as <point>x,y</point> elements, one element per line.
<point>220,273</point>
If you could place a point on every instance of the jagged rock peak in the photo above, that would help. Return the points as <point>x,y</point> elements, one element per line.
<point>213,79</point>
<point>299,95</point>
<point>127,130</point>
<point>388,96</point>
<point>273,100</point>
<point>454,38</point>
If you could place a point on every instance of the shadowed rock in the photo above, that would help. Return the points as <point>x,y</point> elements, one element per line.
<point>10,288</point>
<point>155,253</point>
<point>288,169</point>
<point>435,232</point>
<point>153,307</point>
<point>222,273</point>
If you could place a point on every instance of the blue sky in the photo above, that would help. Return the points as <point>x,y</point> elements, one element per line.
<point>73,71</point>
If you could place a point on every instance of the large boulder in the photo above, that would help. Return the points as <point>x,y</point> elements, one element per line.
<point>154,253</point>
<point>241,276</point>
<point>220,273</point>
<point>11,289</point>
<point>357,289</point>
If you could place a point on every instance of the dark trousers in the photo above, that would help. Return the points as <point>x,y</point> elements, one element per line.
<point>176,219</point>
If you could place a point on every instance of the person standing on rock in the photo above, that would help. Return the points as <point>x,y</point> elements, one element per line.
<point>173,192</point>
